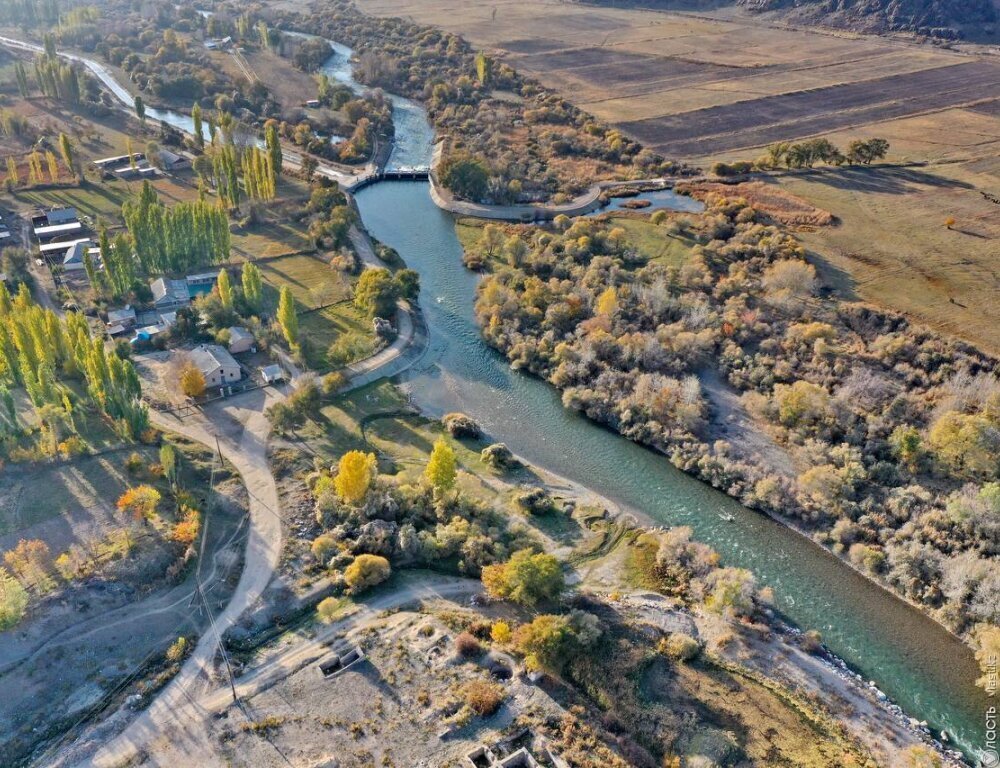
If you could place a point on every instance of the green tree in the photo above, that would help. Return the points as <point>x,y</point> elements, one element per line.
<point>140,109</point>
<point>66,147</point>
<point>13,600</point>
<point>906,445</point>
<point>272,142</point>
<point>253,290</point>
<point>22,79</point>
<point>199,137</point>
<point>465,176</point>
<point>527,578</point>
<point>288,318</point>
<point>91,270</point>
<point>407,283</point>
<point>168,461</point>
<point>441,469</point>
<point>376,293</point>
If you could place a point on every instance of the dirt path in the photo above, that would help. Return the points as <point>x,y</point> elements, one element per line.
<point>408,345</point>
<point>731,422</point>
<point>181,737</point>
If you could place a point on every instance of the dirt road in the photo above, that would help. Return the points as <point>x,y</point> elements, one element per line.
<point>241,428</point>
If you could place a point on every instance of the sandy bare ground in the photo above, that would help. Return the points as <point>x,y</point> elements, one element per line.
<point>731,422</point>
<point>182,738</point>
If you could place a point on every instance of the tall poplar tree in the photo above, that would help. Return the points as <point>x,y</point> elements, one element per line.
<point>288,318</point>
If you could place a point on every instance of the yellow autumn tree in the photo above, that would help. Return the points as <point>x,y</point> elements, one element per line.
<point>192,381</point>
<point>187,528</point>
<point>366,571</point>
<point>501,633</point>
<point>607,302</point>
<point>442,467</point>
<point>355,473</point>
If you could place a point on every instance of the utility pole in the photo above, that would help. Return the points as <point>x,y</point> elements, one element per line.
<point>222,647</point>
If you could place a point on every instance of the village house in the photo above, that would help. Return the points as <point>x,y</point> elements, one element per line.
<point>118,161</point>
<point>216,365</point>
<point>201,283</point>
<point>60,247</point>
<point>271,374</point>
<point>171,161</point>
<point>138,172</point>
<point>169,294</point>
<point>218,44</point>
<point>125,317</point>
<point>73,259</point>
<point>241,340</point>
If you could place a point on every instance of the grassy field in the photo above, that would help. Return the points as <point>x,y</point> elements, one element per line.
<point>653,242</point>
<point>75,501</point>
<point>323,295</point>
<point>313,282</point>
<point>378,418</point>
<point>892,247</point>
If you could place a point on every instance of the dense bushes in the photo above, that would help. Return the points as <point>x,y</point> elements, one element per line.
<point>411,525</point>
<point>877,426</point>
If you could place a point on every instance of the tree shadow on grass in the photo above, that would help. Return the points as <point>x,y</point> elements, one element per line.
<point>833,278</point>
<point>882,179</point>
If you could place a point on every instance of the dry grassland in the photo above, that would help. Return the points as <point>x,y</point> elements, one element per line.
<point>892,245</point>
<point>694,86</point>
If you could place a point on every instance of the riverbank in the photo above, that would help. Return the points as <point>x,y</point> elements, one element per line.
<point>868,713</point>
<point>878,634</point>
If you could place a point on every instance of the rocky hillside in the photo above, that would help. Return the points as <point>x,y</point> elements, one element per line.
<point>945,19</point>
<point>940,18</point>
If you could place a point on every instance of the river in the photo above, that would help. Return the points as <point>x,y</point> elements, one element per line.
<point>916,662</point>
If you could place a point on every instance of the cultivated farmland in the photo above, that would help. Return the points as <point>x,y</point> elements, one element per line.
<point>695,86</point>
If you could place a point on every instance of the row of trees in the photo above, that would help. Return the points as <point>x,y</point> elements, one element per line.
<point>178,238</point>
<point>44,354</point>
<point>36,171</point>
<point>806,154</point>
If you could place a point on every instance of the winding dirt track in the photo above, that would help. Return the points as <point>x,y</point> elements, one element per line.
<point>241,429</point>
